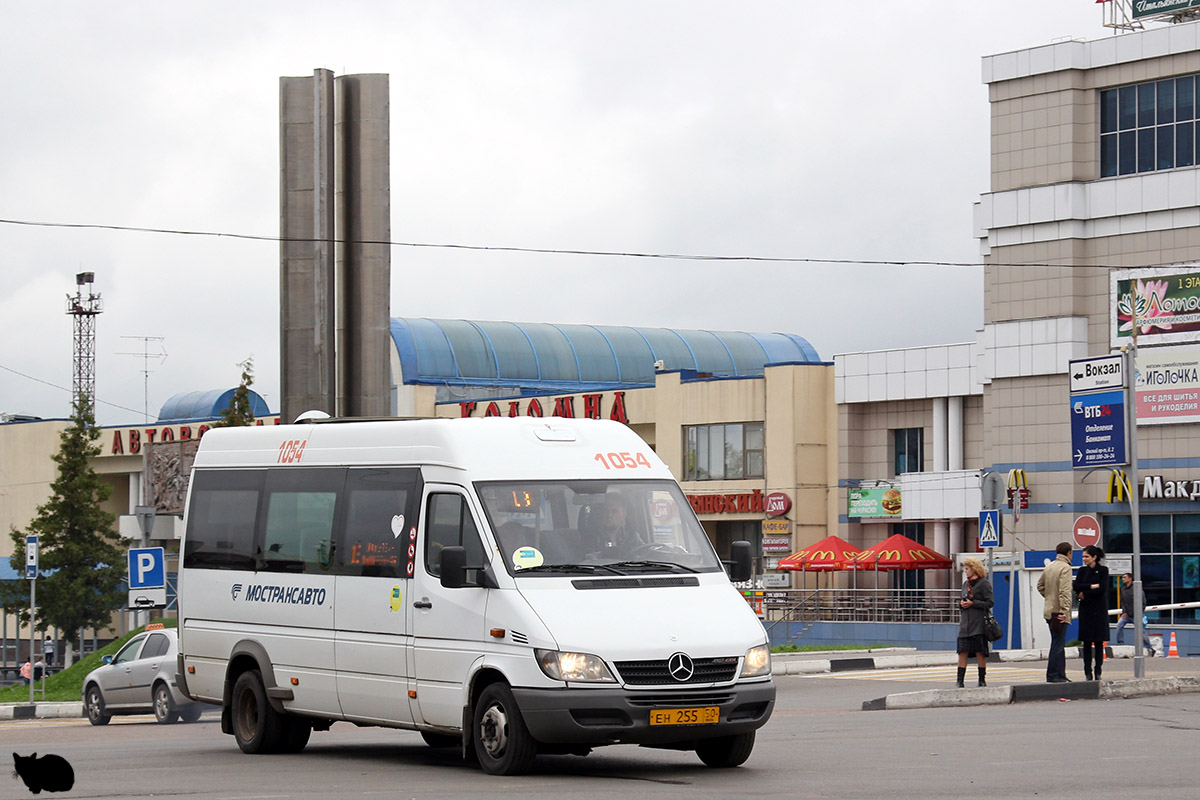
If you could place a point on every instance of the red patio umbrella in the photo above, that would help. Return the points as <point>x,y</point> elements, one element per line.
<point>831,554</point>
<point>900,552</point>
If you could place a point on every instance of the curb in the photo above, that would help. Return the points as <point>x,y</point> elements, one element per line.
<point>943,698</point>
<point>781,664</point>
<point>1030,692</point>
<point>40,710</point>
<point>797,664</point>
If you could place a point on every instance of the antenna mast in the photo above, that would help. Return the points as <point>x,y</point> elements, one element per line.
<point>85,306</point>
<point>146,355</point>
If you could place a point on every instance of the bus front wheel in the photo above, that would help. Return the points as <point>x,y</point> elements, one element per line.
<point>502,742</point>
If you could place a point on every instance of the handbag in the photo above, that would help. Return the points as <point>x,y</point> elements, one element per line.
<point>991,628</point>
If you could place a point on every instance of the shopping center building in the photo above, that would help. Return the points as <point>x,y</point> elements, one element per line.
<point>1095,188</point>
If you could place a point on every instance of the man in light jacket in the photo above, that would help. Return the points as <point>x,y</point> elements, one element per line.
<point>1055,586</point>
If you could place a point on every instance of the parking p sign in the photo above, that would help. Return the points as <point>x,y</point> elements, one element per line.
<point>147,577</point>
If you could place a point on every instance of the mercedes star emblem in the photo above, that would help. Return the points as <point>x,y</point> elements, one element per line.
<point>680,666</point>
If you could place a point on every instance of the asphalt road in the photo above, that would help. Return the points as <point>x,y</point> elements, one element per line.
<point>817,745</point>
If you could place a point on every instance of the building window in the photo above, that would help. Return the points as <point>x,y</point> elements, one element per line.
<point>910,451</point>
<point>723,452</point>
<point>1148,127</point>
<point>1170,545</point>
<point>909,579</point>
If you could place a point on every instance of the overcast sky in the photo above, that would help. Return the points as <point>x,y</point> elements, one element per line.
<point>823,130</point>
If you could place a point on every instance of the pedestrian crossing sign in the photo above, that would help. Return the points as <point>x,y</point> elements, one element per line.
<point>989,528</point>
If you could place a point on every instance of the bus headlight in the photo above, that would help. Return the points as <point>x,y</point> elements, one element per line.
<point>579,667</point>
<point>757,662</point>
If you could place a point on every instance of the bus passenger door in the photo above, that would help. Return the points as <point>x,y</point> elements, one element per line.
<point>448,625</point>
<point>376,549</point>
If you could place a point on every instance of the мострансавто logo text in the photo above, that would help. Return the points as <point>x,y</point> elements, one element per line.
<point>294,595</point>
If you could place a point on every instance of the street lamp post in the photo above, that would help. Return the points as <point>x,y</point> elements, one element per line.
<point>1139,630</point>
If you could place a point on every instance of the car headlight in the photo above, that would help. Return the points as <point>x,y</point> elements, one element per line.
<point>581,667</point>
<point>757,662</point>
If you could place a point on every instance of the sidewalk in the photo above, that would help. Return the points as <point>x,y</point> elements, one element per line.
<point>901,658</point>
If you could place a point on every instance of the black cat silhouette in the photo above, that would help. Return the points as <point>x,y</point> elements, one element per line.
<point>51,773</point>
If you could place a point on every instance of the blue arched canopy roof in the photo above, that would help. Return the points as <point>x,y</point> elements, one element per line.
<point>544,356</point>
<point>190,406</point>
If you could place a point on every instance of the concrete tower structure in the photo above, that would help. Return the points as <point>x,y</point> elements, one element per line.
<point>335,263</point>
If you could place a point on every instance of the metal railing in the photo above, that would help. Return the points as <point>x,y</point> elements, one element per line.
<point>862,605</point>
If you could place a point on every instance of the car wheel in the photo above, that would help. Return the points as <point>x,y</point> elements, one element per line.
<point>257,727</point>
<point>726,751</point>
<point>502,742</point>
<point>440,739</point>
<point>94,705</point>
<point>190,713</point>
<point>164,709</point>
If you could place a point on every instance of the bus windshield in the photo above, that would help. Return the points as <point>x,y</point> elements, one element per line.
<point>596,527</point>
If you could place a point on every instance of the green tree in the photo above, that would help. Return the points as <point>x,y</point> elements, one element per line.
<point>78,546</point>
<point>239,413</point>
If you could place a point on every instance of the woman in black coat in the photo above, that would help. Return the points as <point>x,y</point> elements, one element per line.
<point>975,602</point>
<point>1091,585</point>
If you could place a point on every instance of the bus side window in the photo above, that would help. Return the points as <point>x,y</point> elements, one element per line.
<point>381,510</point>
<point>298,525</point>
<point>449,523</point>
<point>222,519</point>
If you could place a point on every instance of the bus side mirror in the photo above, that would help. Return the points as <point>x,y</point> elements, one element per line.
<point>742,566</point>
<point>454,567</point>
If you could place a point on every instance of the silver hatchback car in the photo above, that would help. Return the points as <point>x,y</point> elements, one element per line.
<point>139,678</point>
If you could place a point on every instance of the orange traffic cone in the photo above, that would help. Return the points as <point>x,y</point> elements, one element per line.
<point>1174,651</point>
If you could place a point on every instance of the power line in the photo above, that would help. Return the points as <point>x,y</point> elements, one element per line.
<point>571,251</point>
<point>65,389</point>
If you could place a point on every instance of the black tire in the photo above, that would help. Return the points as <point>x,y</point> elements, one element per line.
<point>502,742</point>
<point>190,713</point>
<point>94,706</point>
<point>440,739</point>
<point>164,709</point>
<point>257,727</point>
<point>726,751</point>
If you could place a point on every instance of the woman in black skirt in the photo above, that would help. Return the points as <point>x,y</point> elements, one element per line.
<point>1091,583</point>
<point>975,602</point>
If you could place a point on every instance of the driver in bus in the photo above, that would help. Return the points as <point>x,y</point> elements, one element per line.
<point>613,535</point>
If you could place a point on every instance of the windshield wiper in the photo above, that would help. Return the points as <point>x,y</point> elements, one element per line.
<point>586,569</point>
<point>668,565</point>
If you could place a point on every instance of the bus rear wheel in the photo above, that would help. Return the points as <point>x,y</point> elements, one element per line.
<point>257,727</point>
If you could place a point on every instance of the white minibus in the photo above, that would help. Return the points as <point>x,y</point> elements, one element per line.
<point>507,586</point>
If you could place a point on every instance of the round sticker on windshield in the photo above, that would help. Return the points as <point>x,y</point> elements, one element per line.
<point>526,557</point>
